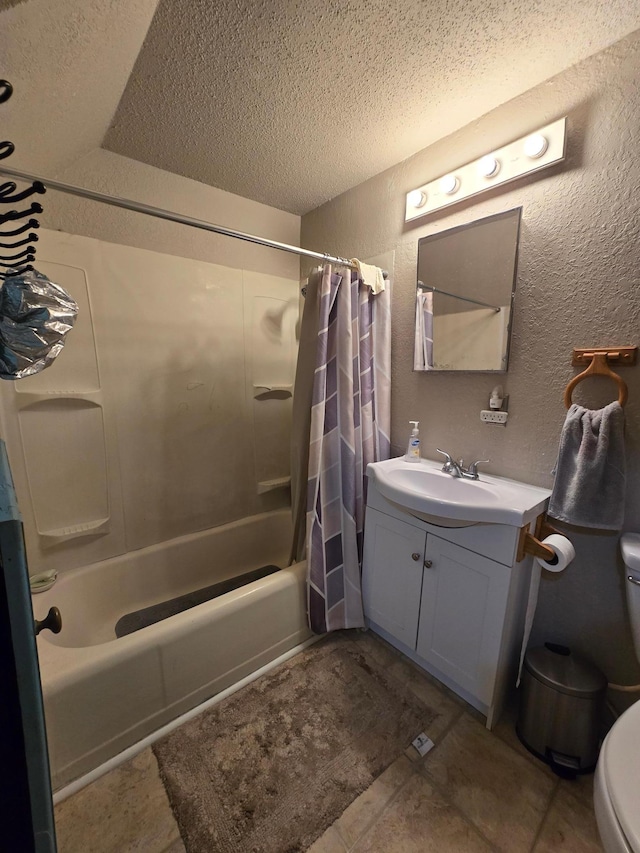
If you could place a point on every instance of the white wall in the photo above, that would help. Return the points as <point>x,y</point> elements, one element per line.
<point>148,425</point>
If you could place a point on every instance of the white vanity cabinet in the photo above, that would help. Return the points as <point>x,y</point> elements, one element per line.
<point>451,598</point>
<point>394,553</point>
<point>462,611</point>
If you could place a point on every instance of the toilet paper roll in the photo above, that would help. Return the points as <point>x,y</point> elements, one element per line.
<point>565,552</point>
<point>562,548</point>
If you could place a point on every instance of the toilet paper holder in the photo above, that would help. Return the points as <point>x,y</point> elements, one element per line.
<point>530,543</point>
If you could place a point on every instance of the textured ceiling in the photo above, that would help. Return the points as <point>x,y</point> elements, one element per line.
<point>69,62</point>
<point>292,102</point>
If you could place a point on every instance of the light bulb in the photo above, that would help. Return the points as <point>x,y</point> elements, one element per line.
<point>417,198</point>
<point>488,166</point>
<point>535,145</point>
<point>449,184</point>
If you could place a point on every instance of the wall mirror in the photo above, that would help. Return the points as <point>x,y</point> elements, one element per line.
<point>466,287</point>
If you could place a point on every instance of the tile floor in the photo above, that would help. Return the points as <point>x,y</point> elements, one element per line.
<point>475,791</point>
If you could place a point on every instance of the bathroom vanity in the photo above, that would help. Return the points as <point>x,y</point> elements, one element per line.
<point>441,579</point>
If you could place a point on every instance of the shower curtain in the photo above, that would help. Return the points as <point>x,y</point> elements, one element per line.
<point>423,344</point>
<point>350,427</point>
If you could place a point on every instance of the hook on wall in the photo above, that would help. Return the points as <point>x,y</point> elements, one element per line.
<point>6,149</point>
<point>9,193</point>
<point>12,215</point>
<point>30,238</point>
<point>25,255</point>
<point>6,90</point>
<point>32,223</point>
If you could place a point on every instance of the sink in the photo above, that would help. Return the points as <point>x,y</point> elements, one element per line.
<point>423,489</point>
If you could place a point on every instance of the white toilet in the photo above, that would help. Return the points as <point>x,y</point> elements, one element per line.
<point>617,782</point>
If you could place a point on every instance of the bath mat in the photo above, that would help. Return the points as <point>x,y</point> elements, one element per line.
<point>131,622</point>
<point>271,767</point>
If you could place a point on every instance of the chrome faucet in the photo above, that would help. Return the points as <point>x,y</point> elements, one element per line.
<point>450,466</point>
<point>457,469</point>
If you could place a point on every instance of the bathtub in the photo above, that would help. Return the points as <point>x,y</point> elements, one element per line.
<point>103,694</point>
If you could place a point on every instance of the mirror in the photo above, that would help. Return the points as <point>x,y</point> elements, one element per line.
<point>464,300</point>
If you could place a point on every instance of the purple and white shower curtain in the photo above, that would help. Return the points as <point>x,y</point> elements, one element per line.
<point>350,427</point>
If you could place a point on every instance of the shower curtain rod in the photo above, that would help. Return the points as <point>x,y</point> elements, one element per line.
<point>160,213</point>
<point>455,296</point>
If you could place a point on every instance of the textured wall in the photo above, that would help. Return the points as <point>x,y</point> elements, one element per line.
<point>110,173</point>
<point>578,285</point>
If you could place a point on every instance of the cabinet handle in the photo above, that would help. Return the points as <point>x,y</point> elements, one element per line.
<point>415,556</point>
<point>428,564</point>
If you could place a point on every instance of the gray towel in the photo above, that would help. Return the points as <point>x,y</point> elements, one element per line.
<point>589,488</point>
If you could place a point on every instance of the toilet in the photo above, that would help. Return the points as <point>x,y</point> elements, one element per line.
<point>616,793</point>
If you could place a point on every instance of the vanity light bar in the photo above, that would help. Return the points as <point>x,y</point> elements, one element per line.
<point>528,154</point>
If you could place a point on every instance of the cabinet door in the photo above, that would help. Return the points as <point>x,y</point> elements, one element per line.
<point>464,599</point>
<point>392,575</point>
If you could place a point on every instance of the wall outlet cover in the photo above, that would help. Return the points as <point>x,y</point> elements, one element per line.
<point>493,417</point>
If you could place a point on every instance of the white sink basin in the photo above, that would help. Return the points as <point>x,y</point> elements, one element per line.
<point>422,489</point>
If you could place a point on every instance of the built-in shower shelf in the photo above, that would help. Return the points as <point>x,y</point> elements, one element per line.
<point>30,398</point>
<point>259,390</point>
<point>270,485</point>
<point>73,531</point>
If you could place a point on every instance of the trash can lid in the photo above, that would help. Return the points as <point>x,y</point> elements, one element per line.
<point>557,667</point>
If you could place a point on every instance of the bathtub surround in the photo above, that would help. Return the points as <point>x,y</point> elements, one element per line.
<point>578,260</point>
<point>151,424</point>
<point>590,475</point>
<point>350,427</point>
<point>270,768</point>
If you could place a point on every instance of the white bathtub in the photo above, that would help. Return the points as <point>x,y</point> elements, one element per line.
<point>104,694</point>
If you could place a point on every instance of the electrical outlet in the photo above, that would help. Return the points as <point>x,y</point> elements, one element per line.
<point>493,417</point>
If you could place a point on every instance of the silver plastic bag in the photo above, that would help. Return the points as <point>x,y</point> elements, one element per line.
<point>35,316</point>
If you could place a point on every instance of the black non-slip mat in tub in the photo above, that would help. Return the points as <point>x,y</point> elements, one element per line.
<point>131,622</point>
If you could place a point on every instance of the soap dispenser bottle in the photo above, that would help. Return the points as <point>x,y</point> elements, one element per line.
<point>413,448</point>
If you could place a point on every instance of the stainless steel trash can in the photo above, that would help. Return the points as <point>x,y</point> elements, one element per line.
<point>561,707</point>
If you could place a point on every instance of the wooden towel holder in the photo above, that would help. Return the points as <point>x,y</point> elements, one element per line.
<point>529,543</point>
<point>598,365</point>
<point>597,361</point>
